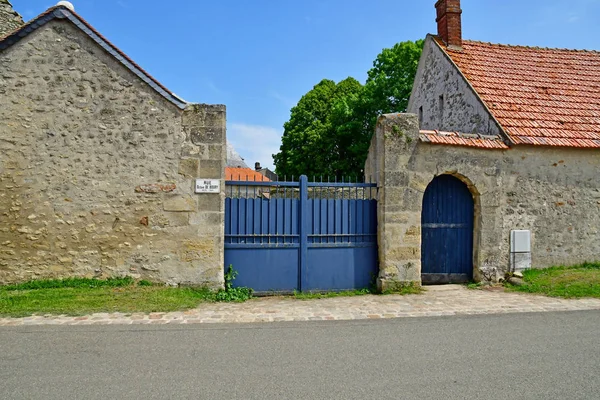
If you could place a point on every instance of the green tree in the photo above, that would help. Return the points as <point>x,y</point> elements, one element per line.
<point>330,129</point>
<point>390,81</point>
<point>310,143</point>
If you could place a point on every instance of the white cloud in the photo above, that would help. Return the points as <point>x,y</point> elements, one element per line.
<point>255,143</point>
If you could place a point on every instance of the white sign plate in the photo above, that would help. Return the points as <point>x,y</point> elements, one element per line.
<point>208,186</point>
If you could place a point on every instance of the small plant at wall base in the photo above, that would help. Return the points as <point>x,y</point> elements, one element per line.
<point>231,293</point>
<point>402,288</point>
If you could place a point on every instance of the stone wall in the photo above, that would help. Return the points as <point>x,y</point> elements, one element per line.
<point>10,20</point>
<point>447,100</point>
<point>554,192</point>
<point>97,169</point>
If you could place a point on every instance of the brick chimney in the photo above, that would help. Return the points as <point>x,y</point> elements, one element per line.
<point>449,23</point>
<point>10,20</point>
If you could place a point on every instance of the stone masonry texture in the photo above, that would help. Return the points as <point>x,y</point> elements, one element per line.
<point>446,99</point>
<point>10,20</point>
<point>553,192</point>
<point>97,169</point>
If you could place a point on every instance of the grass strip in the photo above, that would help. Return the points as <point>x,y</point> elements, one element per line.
<point>81,296</point>
<point>81,301</point>
<point>563,281</point>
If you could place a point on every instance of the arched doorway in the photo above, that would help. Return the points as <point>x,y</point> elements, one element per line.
<point>447,232</point>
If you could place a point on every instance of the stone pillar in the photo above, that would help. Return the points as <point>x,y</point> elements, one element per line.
<point>399,204</point>
<point>203,157</point>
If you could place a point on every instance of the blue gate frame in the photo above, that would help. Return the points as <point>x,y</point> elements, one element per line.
<point>301,236</point>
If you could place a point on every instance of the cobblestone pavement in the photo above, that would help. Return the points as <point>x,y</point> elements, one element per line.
<point>436,301</point>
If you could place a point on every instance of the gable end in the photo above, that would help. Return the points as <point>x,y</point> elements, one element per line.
<point>64,13</point>
<point>444,99</point>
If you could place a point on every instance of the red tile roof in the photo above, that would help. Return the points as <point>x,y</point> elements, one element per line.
<point>539,96</point>
<point>244,174</point>
<point>461,139</point>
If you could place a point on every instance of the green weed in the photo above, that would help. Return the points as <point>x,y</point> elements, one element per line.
<point>73,283</point>
<point>231,293</point>
<point>474,285</point>
<point>325,295</point>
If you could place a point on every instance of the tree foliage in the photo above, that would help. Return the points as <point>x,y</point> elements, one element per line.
<point>330,128</point>
<point>315,139</point>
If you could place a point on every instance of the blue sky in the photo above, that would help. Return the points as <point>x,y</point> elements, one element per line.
<point>259,57</point>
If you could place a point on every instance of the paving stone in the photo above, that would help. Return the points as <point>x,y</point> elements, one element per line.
<point>436,301</point>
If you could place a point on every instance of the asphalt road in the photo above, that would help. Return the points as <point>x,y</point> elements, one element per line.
<point>515,356</point>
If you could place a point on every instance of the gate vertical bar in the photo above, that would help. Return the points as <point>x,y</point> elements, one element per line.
<point>303,231</point>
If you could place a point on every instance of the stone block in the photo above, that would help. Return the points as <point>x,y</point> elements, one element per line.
<point>401,253</point>
<point>395,161</point>
<point>179,203</point>
<point>188,149</point>
<point>393,196</point>
<point>213,275</point>
<point>396,179</point>
<point>413,200</point>
<point>412,235</point>
<point>203,114</point>
<point>206,134</point>
<point>419,182</point>
<point>216,152</point>
<point>210,202</point>
<point>213,220</point>
<point>198,249</point>
<point>188,167</point>
<point>205,124</point>
<point>156,188</point>
<point>397,217</point>
<point>211,169</point>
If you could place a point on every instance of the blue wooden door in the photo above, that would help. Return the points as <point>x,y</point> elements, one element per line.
<point>447,232</point>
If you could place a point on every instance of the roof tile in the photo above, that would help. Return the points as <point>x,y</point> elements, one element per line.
<point>460,139</point>
<point>539,96</point>
<point>244,174</point>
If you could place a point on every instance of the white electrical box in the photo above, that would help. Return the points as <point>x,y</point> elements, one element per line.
<point>520,241</point>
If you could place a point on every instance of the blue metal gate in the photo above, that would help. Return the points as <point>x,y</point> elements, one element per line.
<point>447,232</point>
<point>303,236</point>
